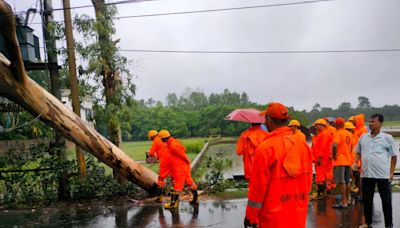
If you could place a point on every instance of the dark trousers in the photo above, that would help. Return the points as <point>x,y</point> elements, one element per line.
<point>384,188</point>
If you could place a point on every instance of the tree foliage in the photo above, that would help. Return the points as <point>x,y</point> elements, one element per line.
<point>103,64</point>
<point>390,112</point>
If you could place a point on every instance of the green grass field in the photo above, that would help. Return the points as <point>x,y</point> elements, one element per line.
<point>391,123</point>
<point>136,150</point>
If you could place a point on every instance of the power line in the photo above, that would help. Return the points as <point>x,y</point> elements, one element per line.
<point>201,11</point>
<point>81,7</point>
<point>205,11</point>
<point>260,52</point>
<point>224,9</point>
<point>106,4</point>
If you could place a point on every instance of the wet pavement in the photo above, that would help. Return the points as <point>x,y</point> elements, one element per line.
<point>210,213</point>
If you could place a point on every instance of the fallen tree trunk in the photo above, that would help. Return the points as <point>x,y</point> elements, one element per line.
<point>38,101</point>
<point>18,87</point>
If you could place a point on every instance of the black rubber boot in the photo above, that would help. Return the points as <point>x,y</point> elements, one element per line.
<point>195,199</point>
<point>160,193</point>
<point>321,192</point>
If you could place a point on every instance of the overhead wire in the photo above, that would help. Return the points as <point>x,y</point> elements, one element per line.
<point>263,52</point>
<point>260,52</point>
<point>206,10</point>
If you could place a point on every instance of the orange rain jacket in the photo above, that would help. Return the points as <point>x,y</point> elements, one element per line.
<point>322,149</point>
<point>246,146</point>
<point>280,181</point>
<point>331,129</point>
<point>353,148</point>
<point>156,147</point>
<point>180,164</point>
<point>300,134</point>
<point>344,140</point>
<point>360,128</point>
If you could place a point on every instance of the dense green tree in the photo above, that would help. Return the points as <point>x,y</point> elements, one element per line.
<point>171,99</point>
<point>101,59</point>
<point>363,102</point>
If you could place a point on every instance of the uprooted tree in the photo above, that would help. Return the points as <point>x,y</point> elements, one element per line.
<point>18,87</point>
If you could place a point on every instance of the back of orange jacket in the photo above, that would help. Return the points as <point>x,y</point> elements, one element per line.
<point>246,146</point>
<point>344,141</point>
<point>323,145</point>
<point>180,164</point>
<point>300,135</point>
<point>280,182</point>
<point>177,152</point>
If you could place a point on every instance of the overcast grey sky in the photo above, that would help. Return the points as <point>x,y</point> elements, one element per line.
<point>298,80</point>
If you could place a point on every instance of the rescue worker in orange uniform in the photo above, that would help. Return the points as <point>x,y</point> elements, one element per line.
<point>332,129</point>
<point>358,122</point>
<point>247,144</point>
<point>341,151</point>
<point>355,171</point>
<point>163,156</point>
<point>180,165</point>
<point>281,177</point>
<point>295,126</point>
<point>323,158</point>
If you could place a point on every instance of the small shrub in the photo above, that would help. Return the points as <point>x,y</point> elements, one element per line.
<point>194,147</point>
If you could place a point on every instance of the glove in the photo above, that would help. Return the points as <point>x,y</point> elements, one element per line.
<point>147,157</point>
<point>247,223</point>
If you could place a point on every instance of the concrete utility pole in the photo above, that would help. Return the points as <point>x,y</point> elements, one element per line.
<point>73,80</point>
<point>55,86</point>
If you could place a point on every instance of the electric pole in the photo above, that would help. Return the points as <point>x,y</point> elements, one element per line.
<point>55,87</point>
<point>73,80</point>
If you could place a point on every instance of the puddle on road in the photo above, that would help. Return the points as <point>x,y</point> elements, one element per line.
<point>210,213</point>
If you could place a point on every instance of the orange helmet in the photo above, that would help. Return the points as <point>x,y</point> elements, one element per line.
<point>349,125</point>
<point>320,121</point>
<point>164,134</point>
<point>294,123</point>
<point>152,133</point>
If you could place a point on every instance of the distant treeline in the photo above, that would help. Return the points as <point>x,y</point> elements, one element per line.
<point>194,114</point>
<point>390,112</point>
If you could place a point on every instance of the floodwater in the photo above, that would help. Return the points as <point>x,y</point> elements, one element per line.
<point>209,213</point>
<point>227,151</point>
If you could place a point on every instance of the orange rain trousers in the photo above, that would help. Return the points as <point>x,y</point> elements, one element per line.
<point>246,146</point>
<point>280,181</point>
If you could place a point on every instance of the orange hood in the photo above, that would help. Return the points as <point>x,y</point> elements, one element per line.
<point>359,119</point>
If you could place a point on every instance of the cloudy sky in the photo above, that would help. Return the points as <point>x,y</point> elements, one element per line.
<point>295,79</point>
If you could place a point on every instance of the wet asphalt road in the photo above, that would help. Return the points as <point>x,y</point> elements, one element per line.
<point>229,213</point>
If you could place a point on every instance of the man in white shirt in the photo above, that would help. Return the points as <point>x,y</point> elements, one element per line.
<point>378,155</point>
